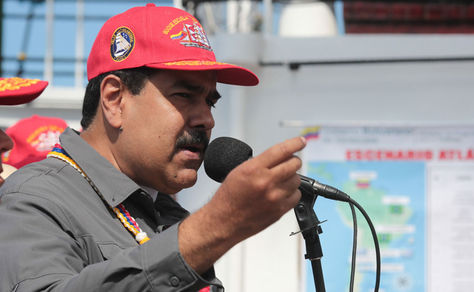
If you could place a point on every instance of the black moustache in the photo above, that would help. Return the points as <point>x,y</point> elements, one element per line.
<point>193,138</point>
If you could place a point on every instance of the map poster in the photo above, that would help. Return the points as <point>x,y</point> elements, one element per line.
<point>417,186</point>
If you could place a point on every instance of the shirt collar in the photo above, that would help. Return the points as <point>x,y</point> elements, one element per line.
<point>152,192</point>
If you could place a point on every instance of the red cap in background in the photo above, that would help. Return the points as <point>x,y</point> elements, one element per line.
<point>16,90</point>
<point>33,139</point>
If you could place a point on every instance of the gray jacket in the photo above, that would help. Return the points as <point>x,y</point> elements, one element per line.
<point>57,234</point>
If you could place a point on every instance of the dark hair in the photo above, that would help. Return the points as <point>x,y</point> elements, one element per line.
<point>134,79</point>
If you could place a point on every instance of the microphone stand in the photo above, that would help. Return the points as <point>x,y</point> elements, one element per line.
<point>309,227</point>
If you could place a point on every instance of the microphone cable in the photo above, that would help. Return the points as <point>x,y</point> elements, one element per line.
<point>353,203</point>
<point>332,193</point>
<point>354,247</point>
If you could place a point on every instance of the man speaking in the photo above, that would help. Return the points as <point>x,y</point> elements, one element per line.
<point>97,215</point>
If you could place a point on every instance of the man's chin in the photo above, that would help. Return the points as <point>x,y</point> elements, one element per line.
<point>186,178</point>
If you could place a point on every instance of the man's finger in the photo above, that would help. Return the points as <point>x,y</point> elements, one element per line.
<point>286,169</point>
<point>280,152</point>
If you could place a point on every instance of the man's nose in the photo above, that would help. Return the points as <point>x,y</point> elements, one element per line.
<point>201,116</point>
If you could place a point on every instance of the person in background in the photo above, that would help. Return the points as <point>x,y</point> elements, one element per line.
<point>15,91</point>
<point>33,138</point>
<point>96,215</point>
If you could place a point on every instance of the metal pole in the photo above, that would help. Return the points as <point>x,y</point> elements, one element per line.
<point>79,67</point>
<point>178,4</point>
<point>49,53</point>
<point>1,38</point>
<point>268,16</point>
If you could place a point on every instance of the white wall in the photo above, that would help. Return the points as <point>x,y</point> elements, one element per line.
<point>397,92</point>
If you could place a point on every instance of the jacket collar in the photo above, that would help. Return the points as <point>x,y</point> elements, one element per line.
<point>114,186</point>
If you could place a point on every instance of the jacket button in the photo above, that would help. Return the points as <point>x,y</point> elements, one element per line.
<point>174,281</point>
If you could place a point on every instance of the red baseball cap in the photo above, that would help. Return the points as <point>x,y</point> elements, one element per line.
<point>159,37</point>
<point>16,90</point>
<point>33,138</point>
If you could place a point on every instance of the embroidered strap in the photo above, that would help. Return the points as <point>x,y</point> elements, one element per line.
<point>122,214</point>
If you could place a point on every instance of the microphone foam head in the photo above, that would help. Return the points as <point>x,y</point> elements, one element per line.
<point>224,154</point>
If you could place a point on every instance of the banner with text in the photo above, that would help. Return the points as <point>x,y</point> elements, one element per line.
<point>417,185</point>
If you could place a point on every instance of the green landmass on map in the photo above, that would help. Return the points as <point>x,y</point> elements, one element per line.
<point>381,214</point>
<point>371,199</point>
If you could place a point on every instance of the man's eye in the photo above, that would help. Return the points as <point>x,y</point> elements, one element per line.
<point>183,94</point>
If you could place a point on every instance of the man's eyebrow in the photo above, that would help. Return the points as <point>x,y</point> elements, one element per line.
<point>189,86</point>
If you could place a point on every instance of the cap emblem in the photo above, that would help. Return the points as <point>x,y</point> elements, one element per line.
<point>122,43</point>
<point>192,35</point>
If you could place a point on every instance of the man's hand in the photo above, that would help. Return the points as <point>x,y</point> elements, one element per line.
<point>253,196</point>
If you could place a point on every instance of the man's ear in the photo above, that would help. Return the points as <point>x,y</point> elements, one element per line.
<point>112,92</point>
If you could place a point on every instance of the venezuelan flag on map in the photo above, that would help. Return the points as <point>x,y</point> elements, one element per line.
<point>311,133</point>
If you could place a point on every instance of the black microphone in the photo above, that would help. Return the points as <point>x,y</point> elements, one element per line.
<point>225,153</point>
